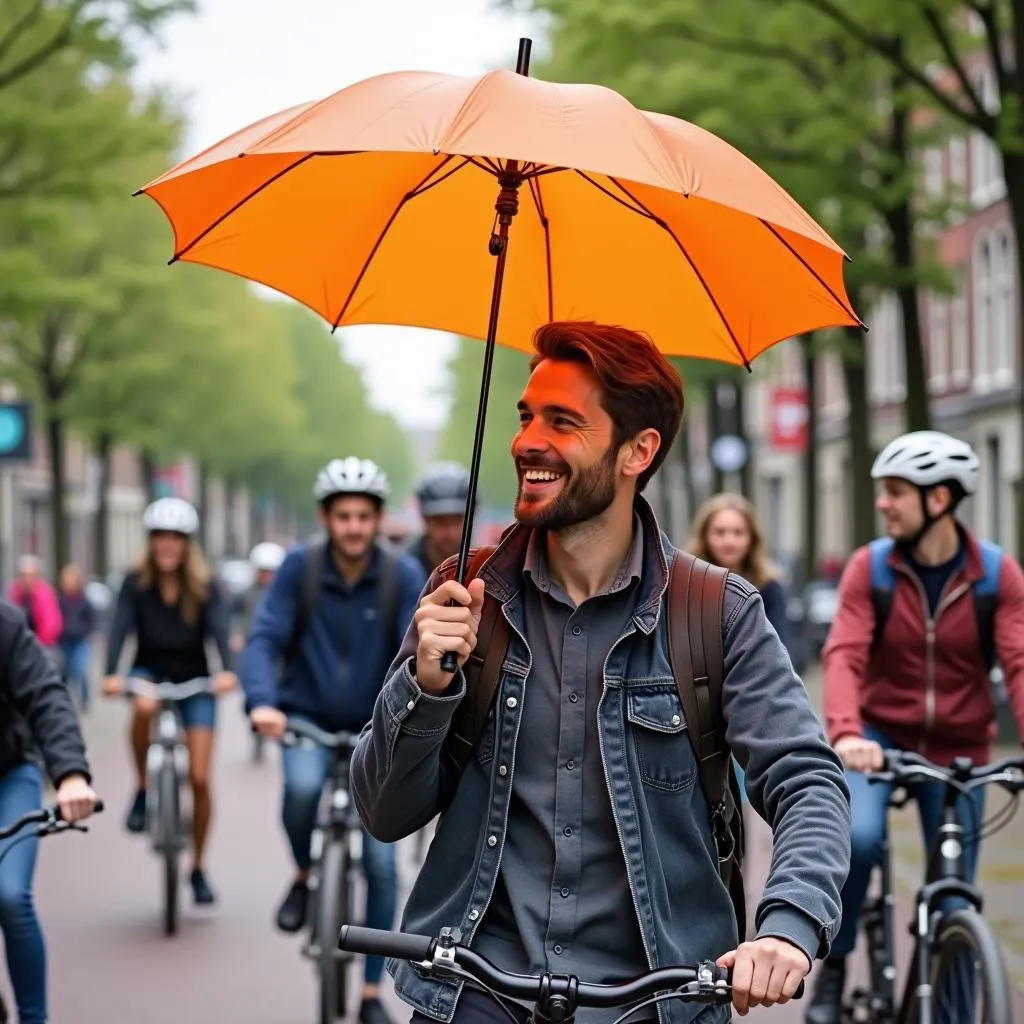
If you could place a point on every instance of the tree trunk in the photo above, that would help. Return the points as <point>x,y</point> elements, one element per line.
<point>689,484</point>
<point>101,524</point>
<point>1013,169</point>
<point>204,507</point>
<point>147,467</point>
<point>55,430</point>
<point>740,418</point>
<point>810,367</point>
<point>858,437</point>
<point>714,414</point>
<point>899,219</point>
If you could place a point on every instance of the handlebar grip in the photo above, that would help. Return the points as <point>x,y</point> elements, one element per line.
<point>376,942</point>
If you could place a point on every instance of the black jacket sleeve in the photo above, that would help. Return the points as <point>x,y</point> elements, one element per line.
<point>40,697</point>
<point>122,623</point>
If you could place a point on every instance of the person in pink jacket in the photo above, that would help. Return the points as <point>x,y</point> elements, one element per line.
<point>38,600</point>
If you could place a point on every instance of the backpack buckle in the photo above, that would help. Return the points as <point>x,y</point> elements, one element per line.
<point>725,841</point>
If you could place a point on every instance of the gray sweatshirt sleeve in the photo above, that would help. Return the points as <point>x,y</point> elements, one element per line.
<point>794,779</point>
<point>398,781</point>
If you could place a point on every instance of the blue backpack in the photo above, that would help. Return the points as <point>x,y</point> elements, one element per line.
<point>985,592</point>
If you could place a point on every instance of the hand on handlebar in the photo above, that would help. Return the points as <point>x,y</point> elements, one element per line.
<point>268,721</point>
<point>75,798</point>
<point>765,972</point>
<point>113,686</point>
<point>223,682</point>
<point>859,754</point>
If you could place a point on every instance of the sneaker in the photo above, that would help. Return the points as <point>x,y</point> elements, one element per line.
<point>826,1006</point>
<point>371,1011</point>
<point>291,915</point>
<point>136,820</point>
<point>201,891</point>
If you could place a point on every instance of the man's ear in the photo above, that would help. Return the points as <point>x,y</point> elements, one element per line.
<point>640,452</point>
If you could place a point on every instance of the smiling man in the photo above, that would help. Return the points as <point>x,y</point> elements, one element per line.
<point>923,613</point>
<point>577,838</point>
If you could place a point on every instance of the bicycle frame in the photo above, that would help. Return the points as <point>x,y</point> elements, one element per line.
<point>166,744</point>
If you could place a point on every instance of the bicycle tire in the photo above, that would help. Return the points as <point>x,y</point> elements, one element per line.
<point>331,914</point>
<point>967,931</point>
<point>170,825</point>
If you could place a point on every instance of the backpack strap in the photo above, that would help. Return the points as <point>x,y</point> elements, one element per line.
<point>387,596</point>
<point>482,672</point>
<point>882,581</point>
<point>696,600</point>
<point>312,578</point>
<point>986,595</point>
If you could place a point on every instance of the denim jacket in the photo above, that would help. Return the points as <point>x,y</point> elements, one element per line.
<point>794,781</point>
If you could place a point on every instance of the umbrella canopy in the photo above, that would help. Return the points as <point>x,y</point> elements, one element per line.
<point>376,204</point>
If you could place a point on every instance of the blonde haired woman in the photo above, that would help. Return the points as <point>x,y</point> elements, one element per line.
<point>726,533</point>
<point>173,607</point>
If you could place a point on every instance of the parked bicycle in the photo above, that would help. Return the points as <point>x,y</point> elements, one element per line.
<point>168,816</point>
<point>957,970</point>
<point>48,822</point>
<point>556,996</point>
<point>336,858</point>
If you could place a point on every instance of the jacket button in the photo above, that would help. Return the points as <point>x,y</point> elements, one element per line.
<point>410,705</point>
<point>474,914</point>
<point>675,719</point>
<point>565,893</point>
<point>502,769</point>
<point>558,949</point>
<point>492,840</point>
<point>511,702</point>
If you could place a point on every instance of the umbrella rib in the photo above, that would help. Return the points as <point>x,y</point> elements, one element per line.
<point>538,202</point>
<point>693,266</point>
<point>424,187</point>
<point>817,277</point>
<point>241,202</point>
<point>411,194</point>
<point>639,210</point>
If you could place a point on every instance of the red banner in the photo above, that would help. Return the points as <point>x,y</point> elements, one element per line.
<point>789,415</point>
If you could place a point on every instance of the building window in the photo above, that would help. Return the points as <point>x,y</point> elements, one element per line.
<point>1003,318</point>
<point>994,472</point>
<point>938,342</point>
<point>958,163</point>
<point>886,371</point>
<point>987,182</point>
<point>981,272</point>
<point>960,357</point>
<point>933,183</point>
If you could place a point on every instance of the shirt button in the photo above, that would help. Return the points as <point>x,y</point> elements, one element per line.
<point>567,831</point>
<point>576,630</point>
<point>573,697</point>
<point>511,702</point>
<point>565,892</point>
<point>558,949</point>
<point>675,719</point>
<point>410,705</point>
<point>474,914</point>
<point>502,769</point>
<point>570,765</point>
<point>492,840</point>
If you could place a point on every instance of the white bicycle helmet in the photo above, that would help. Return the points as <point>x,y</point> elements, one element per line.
<point>443,490</point>
<point>351,476</point>
<point>927,458</point>
<point>266,557</point>
<point>171,515</point>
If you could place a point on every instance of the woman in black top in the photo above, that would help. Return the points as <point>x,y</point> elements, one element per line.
<point>172,606</point>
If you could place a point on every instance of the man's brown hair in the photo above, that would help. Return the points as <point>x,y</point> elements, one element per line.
<point>640,389</point>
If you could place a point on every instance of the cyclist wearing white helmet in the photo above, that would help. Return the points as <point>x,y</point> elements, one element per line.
<point>334,616</point>
<point>173,606</point>
<point>923,614</point>
<point>441,494</point>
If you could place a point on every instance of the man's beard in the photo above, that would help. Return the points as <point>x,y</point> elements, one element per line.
<point>585,494</point>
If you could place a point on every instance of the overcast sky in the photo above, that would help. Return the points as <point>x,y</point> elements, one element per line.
<point>239,60</point>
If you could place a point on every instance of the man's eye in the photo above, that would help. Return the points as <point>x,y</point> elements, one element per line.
<point>561,421</point>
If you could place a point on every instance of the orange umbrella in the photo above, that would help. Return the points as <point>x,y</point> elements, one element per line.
<point>377,205</point>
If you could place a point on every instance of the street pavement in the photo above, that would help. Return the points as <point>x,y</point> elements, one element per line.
<point>99,898</point>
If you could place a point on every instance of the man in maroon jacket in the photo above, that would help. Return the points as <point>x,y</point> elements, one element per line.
<point>922,682</point>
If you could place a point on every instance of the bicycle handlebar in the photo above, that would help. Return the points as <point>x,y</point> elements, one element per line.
<point>296,728</point>
<point>169,692</point>
<point>903,766</point>
<point>704,983</point>
<point>49,817</point>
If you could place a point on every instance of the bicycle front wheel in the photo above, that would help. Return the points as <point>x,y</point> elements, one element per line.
<point>969,984</point>
<point>331,913</point>
<point>170,825</point>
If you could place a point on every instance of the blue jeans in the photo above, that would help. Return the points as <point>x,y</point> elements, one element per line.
<point>21,791</point>
<point>869,804</point>
<point>306,772</point>
<point>77,656</point>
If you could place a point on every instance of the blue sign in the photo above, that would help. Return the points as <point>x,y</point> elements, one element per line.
<point>15,431</point>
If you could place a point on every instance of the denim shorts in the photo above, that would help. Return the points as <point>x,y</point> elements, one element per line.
<point>197,712</point>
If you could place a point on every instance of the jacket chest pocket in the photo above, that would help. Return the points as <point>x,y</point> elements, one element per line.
<point>658,731</point>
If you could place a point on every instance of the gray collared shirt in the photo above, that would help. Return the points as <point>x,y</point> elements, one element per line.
<point>572,910</point>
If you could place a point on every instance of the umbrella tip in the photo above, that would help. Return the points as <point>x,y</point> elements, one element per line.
<point>138,192</point>
<point>172,260</point>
